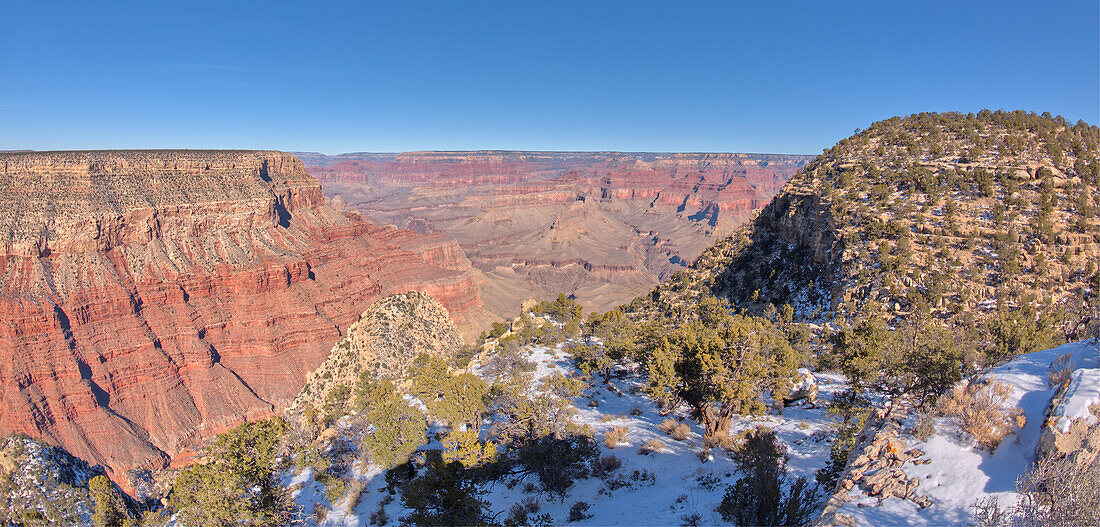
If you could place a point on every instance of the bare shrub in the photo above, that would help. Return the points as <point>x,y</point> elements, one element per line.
<point>379,516</point>
<point>981,410</point>
<point>725,442</point>
<point>675,429</point>
<point>320,512</point>
<point>579,511</point>
<point>517,514</point>
<point>1056,491</point>
<point>1060,370</point>
<point>355,494</point>
<point>924,428</point>
<point>509,359</point>
<point>988,513</point>
<point>605,465</point>
<point>615,436</point>
<point>681,432</point>
<point>651,446</point>
<point>691,520</point>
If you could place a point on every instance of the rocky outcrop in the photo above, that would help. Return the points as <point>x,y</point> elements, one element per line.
<point>41,482</point>
<point>874,468</point>
<point>937,210</point>
<point>383,343</point>
<point>603,226</point>
<point>151,299</point>
<point>1072,425</point>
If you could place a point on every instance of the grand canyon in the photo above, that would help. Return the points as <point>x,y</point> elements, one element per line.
<point>219,334</point>
<point>535,264</point>
<point>600,226</point>
<point>152,299</point>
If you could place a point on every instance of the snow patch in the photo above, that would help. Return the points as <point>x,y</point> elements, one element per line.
<point>1083,392</point>
<point>960,473</point>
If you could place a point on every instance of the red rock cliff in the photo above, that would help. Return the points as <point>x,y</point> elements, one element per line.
<point>151,299</point>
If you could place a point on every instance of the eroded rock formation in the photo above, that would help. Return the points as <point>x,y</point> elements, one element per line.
<point>151,299</point>
<point>383,343</point>
<point>603,226</point>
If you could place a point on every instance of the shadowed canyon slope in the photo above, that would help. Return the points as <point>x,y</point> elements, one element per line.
<point>153,298</point>
<point>603,226</point>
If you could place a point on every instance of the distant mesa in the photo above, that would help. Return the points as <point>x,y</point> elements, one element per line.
<point>151,299</point>
<point>602,226</point>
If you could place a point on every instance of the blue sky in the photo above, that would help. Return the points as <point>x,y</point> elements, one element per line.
<point>336,77</point>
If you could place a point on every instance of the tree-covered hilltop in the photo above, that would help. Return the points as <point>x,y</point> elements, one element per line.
<point>958,216</point>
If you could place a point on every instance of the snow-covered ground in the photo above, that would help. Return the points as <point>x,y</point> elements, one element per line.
<point>682,483</point>
<point>960,473</point>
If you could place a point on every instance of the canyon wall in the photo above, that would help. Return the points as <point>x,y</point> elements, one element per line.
<point>602,226</point>
<point>151,299</point>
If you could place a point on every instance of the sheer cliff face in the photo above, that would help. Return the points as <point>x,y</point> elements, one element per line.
<point>151,299</point>
<point>603,226</point>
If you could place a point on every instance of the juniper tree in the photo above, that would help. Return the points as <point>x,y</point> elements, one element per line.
<point>664,382</point>
<point>531,414</point>
<point>464,447</point>
<point>109,507</point>
<point>757,497</point>
<point>237,483</point>
<point>444,495</point>
<point>617,333</point>
<point>398,428</point>
<point>723,365</point>
<point>918,358</point>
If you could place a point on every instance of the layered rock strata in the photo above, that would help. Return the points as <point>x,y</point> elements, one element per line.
<point>602,226</point>
<point>151,299</point>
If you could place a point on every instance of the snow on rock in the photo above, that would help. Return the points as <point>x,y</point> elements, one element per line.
<point>959,473</point>
<point>1082,393</point>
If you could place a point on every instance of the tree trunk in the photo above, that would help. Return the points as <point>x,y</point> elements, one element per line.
<point>716,422</point>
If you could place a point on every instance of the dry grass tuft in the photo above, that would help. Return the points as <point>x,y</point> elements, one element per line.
<point>675,429</point>
<point>615,436</point>
<point>651,446</point>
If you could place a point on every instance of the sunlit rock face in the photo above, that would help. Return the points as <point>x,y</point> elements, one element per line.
<point>151,299</point>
